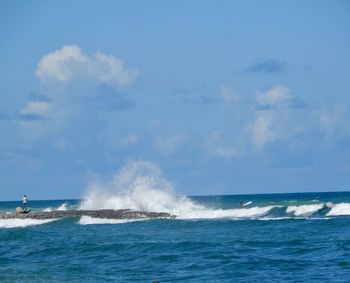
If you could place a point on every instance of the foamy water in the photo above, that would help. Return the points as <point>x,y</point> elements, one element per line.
<point>17,222</point>
<point>87,220</point>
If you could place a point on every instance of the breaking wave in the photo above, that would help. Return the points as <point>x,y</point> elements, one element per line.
<point>141,186</point>
<point>304,210</point>
<point>339,209</point>
<point>63,207</point>
<point>17,223</point>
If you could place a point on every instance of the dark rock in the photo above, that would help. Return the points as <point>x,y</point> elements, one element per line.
<point>105,213</point>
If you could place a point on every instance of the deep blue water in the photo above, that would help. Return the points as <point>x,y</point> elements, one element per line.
<point>310,243</point>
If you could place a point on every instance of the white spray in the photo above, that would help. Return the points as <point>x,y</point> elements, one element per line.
<point>140,185</point>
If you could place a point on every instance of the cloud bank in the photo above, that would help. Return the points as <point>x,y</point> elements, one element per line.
<point>76,90</point>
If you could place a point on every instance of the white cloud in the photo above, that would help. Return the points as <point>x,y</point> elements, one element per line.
<point>61,64</point>
<point>69,63</point>
<point>272,116</point>
<point>66,101</point>
<point>262,131</point>
<point>275,96</point>
<point>40,108</point>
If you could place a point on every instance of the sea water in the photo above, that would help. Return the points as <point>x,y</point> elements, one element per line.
<point>276,238</point>
<point>233,238</point>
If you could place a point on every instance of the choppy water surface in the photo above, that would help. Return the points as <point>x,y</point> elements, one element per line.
<point>275,238</point>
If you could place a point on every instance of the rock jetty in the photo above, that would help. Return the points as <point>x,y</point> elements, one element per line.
<point>104,213</point>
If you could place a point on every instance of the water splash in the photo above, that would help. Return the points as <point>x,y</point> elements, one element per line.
<point>140,185</point>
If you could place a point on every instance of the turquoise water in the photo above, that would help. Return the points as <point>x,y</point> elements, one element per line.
<point>276,238</point>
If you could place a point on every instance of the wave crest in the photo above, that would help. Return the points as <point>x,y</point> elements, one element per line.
<point>304,210</point>
<point>17,223</point>
<point>339,209</point>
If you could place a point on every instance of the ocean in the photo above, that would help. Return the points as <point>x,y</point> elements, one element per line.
<point>302,237</point>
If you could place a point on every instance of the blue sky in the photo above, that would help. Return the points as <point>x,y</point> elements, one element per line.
<point>225,97</point>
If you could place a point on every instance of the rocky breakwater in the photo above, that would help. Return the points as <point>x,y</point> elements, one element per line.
<point>104,213</point>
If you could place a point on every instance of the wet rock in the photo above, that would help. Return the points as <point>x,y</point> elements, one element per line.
<point>105,213</point>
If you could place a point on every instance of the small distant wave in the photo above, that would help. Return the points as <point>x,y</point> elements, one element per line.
<point>17,223</point>
<point>304,210</point>
<point>339,209</point>
<point>87,220</point>
<point>63,207</point>
<point>279,218</point>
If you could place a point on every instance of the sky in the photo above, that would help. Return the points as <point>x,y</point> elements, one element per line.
<point>225,97</point>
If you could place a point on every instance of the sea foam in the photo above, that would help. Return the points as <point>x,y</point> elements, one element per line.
<point>16,222</point>
<point>87,220</point>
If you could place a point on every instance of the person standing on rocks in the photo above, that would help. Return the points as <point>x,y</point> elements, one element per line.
<point>25,202</point>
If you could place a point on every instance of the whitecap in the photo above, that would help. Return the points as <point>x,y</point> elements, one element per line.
<point>63,207</point>
<point>339,209</point>
<point>87,220</point>
<point>304,210</point>
<point>329,204</point>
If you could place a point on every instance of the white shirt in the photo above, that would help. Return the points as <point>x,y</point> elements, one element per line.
<point>25,200</point>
